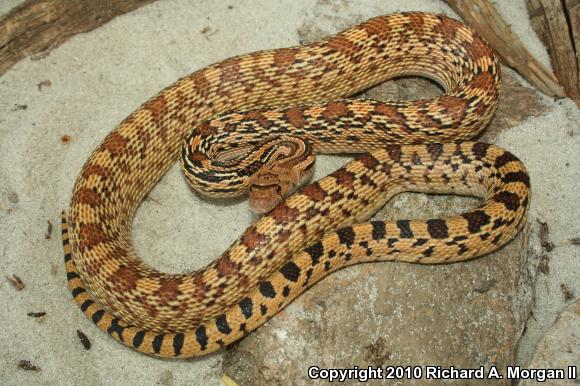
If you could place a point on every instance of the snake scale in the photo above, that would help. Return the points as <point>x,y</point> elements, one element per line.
<point>323,226</point>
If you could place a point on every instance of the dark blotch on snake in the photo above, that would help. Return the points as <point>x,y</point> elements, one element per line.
<point>157,342</point>
<point>509,199</point>
<point>405,229</point>
<point>286,291</point>
<point>346,236</point>
<point>315,251</point>
<point>116,328</point>
<point>267,290</point>
<point>77,291</point>
<point>222,325</point>
<point>246,306</point>
<point>178,341</point>
<point>437,228</point>
<point>201,337</point>
<point>138,339</point>
<point>504,159</point>
<point>475,220</point>
<point>379,231</point>
<point>290,271</point>
<point>517,177</point>
<point>86,304</point>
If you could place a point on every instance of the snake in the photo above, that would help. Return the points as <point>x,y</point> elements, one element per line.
<point>423,145</point>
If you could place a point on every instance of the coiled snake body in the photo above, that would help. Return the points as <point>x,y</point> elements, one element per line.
<point>320,228</point>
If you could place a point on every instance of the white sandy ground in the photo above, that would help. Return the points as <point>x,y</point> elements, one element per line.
<point>97,79</point>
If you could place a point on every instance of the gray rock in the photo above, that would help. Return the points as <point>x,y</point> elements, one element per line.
<point>560,347</point>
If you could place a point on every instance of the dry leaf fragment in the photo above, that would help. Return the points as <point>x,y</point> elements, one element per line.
<point>84,340</point>
<point>48,233</point>
<point>568,294</point>
<point>44,83</point>
<point>16,282</point>
<point>26,365</point>
<point>545,236</point>
<point>544,265</point>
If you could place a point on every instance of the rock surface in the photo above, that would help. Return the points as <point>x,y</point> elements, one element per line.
<point>560,347</point>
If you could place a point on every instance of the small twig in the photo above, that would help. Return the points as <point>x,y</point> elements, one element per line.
<point>148,197</point>
<point>208,32</point>
<point>36,314</point>
<point>556,30</point>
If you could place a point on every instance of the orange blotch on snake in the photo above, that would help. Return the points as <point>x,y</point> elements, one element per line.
<point>258,117</point>
<point>157,107</point>
<point>344,177</point>
<point>283,213</point>
<point>168,291</point>
<point>89,197</point>
<point>335,110</point>
<point>115,143</point>
<point>296,117</point>
<point>483,81</point>
<point>285,57</point>
<point>454,107</point>
<point>90,235</point>
<point>378,27</point>
<point>314,192</point>
<point>448,27</point>
<point>226,267</point>
<point>252,238</point>
<point>230,70</point>
<point>342,44</point>
<point>94,169</point>
<point>368,161</point>
<point>124,279</point>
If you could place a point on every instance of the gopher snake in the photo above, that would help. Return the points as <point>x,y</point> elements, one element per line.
<point>311,233</point>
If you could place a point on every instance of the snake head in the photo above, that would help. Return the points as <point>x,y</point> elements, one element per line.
<point>290,165</point>
<point>273,184</point>
<point>266,191</point>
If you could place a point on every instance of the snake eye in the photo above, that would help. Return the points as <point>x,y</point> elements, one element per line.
<point>278,189</point>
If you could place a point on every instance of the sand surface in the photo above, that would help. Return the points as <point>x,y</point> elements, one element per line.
<point>98,78</point>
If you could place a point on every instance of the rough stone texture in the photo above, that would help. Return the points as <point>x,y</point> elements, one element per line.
<point>560,347</point>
